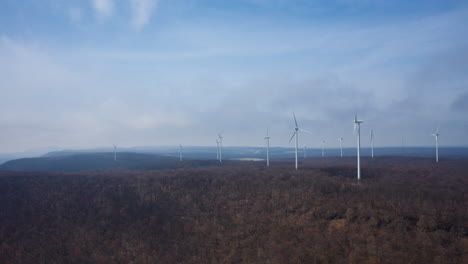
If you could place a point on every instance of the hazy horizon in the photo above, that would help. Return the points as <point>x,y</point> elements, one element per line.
<point>89,74</point>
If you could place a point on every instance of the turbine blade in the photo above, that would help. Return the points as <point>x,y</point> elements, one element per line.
<point>303,130</point>
<point>292,136</point>
<point>295,121</point>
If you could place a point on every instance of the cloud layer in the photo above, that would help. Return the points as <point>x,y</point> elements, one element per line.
<point>193,72</point>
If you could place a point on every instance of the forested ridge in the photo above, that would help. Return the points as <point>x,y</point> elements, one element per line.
<point>399,213</point>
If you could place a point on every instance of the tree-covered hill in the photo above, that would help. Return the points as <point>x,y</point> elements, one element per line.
<point>399,213</point>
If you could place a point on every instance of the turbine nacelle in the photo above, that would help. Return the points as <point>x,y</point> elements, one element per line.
<point>357,123</point>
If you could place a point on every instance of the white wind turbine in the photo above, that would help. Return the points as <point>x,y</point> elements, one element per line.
<point>341,144</point>
<point>323,148</point>
<point>357,123</point>
<point>217,149</point>
<point>436,135</point>
<point>180,152</point>
<point>115,152</point>
<point>220,135</point>
<point>372,141</point>
<point>267,138</point>
<point>296,134</point>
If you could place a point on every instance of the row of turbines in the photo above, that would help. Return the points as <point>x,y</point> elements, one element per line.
<point>297,129</point>
<point>357,127</point>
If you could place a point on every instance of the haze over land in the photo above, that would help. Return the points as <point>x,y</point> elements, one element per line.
<point>85,74</point>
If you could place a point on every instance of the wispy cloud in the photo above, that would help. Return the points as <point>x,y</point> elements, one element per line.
<point>103,8</point>
<point>141,12</point>
<point>204,71</point>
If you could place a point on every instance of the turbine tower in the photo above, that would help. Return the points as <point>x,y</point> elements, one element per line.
<point>267,138</point>
<point>217,149</point>
<point>220,135</point>
<point>341,144</point>
<point>357,123</point>
<point>436,135</point>
<point>305,151</point>
<point>372,141</point>
<point>296,134</point>
<point>323,146</point>
<point>115,152</point>
<point>180,152</point>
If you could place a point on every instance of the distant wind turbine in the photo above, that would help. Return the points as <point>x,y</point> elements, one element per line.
<point>341,143</point>
<point>217,149</point>
<point>357,124</point>
<point>115,152</point>
<point>372,141</point>
<point>436,135</point>
<point>323,148</point>
<point>180,152</point>
<point>220,135</point>
<point>296,134</point>
<point>267,138</point>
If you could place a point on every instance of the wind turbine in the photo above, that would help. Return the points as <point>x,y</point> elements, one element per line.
<point>220,147</point>
<point>372,141</point>
<point>296,134</point>
<point>305,151</point>
<point>341,143</point>
<point>115,152</point>
<point>436,135</point>
<point>180,152</point>
<point>357,123</point>
<point>323,146</point>
<point>217,149</point>
<point>267,138</point>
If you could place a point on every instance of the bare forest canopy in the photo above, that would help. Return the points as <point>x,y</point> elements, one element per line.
<point>402,211</point>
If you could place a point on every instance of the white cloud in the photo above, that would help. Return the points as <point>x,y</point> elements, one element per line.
<point>104,8</point>
<point>141,12</point>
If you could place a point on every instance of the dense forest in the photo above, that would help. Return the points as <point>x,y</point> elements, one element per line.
<point>401,212</point>
<point>92,162</point>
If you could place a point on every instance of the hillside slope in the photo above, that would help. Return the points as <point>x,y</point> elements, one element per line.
<point>88,162</point>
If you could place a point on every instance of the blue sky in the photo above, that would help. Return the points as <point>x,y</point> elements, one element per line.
<point>79,74</point>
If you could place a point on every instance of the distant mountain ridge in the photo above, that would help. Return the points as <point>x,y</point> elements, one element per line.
<point>168,157</point>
